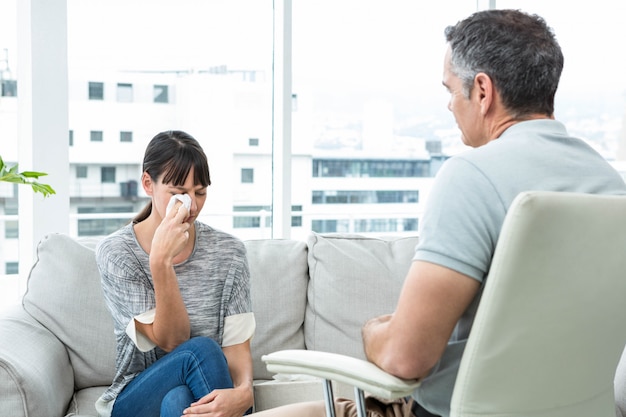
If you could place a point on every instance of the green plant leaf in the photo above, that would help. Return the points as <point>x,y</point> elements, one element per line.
<point>33,174</point>
<point>13,176</point>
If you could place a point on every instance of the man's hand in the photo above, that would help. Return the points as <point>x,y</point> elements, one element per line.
<point>371,329</point>
<point>409,342</point>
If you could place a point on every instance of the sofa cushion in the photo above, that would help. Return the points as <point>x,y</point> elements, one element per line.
<point>36,378</point>
<point>84,402</point>
<point>279,278</point>
<point>64,294</point>
<point>352,279</point>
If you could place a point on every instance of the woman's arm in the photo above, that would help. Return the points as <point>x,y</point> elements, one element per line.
<point>240,366</point>
<point>230,402</point>
<point>171,325</point>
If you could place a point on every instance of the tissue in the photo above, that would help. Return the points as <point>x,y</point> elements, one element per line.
<point>183,198</point>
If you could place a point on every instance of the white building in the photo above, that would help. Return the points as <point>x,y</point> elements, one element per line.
<point>112,116</point>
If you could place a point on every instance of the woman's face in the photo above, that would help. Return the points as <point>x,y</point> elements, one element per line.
<point>161,194</point>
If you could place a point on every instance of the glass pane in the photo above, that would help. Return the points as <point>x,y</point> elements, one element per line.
<point>96,91</point>
<point>371,111</point>
<point>8,151</point>
<point>160,94</point>
<point>125,92</point>
<point>591,97</point>
<point>210,76</point>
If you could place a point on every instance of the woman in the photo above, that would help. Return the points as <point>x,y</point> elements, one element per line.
<point>179,294</point>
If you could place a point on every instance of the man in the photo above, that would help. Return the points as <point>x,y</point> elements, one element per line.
<point>502,69</point>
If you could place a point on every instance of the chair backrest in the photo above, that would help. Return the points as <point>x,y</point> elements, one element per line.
<point>551,324</point>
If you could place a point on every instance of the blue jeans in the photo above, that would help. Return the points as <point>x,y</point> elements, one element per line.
<point>172,383</point>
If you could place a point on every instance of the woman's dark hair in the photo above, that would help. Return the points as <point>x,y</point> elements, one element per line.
<point>169,158</point>
<point>518,51</point>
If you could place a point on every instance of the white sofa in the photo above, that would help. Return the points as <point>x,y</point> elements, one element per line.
<point>57,350</point>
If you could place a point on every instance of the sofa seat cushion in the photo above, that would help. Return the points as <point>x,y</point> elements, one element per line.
<point>84,402</point>
<point>352,279</point>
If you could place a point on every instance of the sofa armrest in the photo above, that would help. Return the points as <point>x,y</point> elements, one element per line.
<point>36,377</point>
<point>335,367</point>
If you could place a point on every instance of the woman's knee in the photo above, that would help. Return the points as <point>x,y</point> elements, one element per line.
<point>205,354</point>
<point>200,344</point>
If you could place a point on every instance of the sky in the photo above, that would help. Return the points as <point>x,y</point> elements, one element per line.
<point>333,40</point>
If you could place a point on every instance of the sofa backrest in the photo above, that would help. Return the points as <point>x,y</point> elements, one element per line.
<point>352,279</point>
<point>65,296</point>
<point>314,295</point>
<point>279,277</point>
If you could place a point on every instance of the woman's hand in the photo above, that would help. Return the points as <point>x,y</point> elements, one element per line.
<point>233,402</point>
<point>171,236</point>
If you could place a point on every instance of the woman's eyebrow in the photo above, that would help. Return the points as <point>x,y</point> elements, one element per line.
<point>182,188</point>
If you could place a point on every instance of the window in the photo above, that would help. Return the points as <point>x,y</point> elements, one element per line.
<point>294,102</point>
<point>247,175</point>
<point>102,227</point>
<point>160,94</point>
<point>253,142</point>
<point>328,226</point>
<point>378,112</point>
<point>10,204</point>
<point>95,136</point>
<point>11,268</point>
<point>9,88</point>
<point>365,197</point>
<point>107,174</point>
<point>126,136</point>
<point>242,222</point>
<point>252,221</point>
<point>128,189</point>
<point>96,91</point>
<point>409,224</point>
<point>11,230</point>
<point>71,137</point>
<point>374,168</point>
<point>124,92</point>
<point>81,171</point>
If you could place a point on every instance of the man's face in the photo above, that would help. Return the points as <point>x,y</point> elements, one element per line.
<point>465,110</point>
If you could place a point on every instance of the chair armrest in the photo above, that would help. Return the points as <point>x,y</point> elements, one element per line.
<point>36,377</point>
<point>335,367</point>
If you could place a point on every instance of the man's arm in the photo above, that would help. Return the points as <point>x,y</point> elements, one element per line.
<point>409,342</point>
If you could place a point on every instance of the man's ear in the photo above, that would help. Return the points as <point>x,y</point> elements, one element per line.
<point>147,183</point>
<point>484,88</point>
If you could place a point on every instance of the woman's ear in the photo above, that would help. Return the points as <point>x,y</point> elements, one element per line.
<point>147,183</point>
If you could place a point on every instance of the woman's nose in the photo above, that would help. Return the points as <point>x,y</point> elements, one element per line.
<point>194,205</point>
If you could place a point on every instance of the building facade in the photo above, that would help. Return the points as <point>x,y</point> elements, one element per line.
<point>358,189</point>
